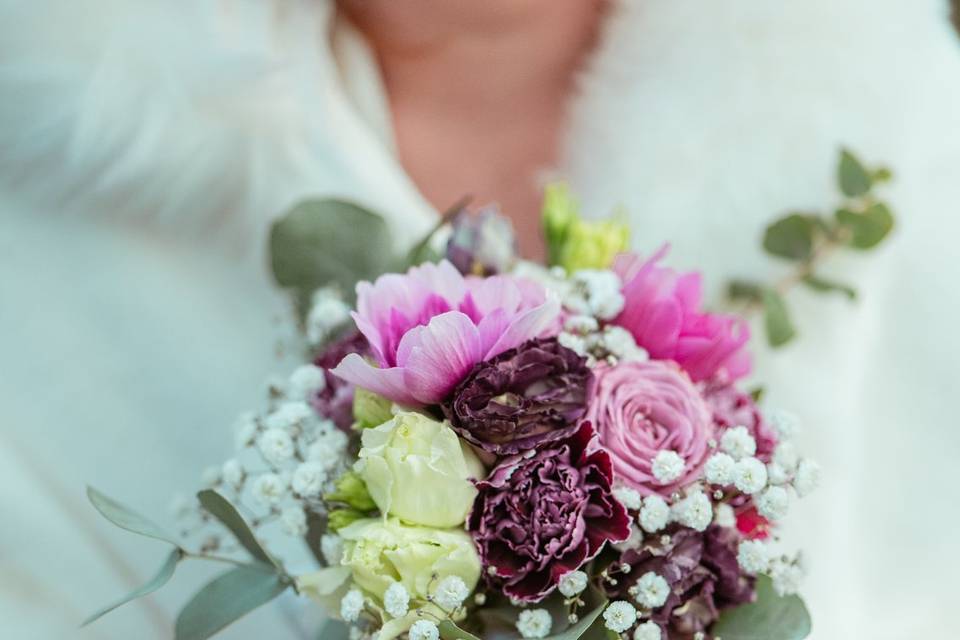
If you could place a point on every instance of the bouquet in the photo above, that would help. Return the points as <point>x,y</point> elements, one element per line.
<point>483,447</point>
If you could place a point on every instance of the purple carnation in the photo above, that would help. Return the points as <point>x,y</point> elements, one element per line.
<point>335,400</point>
<point>542,514</point>
<point>703,574</point>
<point>733,408</point>
<point>523,398</point>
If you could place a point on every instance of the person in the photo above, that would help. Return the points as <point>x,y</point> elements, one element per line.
<point>145,147</point>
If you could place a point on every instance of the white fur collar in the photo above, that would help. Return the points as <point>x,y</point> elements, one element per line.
<point>194,112</point>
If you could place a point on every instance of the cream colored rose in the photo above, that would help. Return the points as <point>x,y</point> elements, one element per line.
<point>417,469</point>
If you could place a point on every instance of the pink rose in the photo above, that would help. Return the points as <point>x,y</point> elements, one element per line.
<point>642,408</point>
<point>662,311</point>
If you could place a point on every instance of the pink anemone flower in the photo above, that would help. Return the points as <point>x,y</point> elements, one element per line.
<point>429,327</point>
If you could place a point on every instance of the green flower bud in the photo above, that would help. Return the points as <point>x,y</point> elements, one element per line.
<point>594,245</point>
<point>351,490</point>
<point>341,518</point>
<point>574,243</point>
<point>560,211</point>
<point>369,409</point>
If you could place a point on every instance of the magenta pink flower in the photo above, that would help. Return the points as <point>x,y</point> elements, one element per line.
<point>662,311</point>
<point>428,327</point>
<point>642,408</point>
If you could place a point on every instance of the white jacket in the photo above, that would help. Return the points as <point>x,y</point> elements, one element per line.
<point>145,145</point>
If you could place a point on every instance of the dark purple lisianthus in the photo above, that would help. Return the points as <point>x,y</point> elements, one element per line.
<point>733,408</point>
<point>335,400</point>
<point>521,399</point>
<point>482,243</point>
<point>703,574</point>
<point>542,514</point>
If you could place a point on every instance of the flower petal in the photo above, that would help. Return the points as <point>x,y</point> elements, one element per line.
<point>388,383</point>
<point>529,324</point>
<point>439,355</point>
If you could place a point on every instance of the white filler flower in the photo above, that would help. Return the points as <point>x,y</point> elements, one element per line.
<point>290,415</point>
<point>276,446</point>
<point>233,473</point>
<point>807,478</point>
<point>534,623</point>
<point>738,443</point>
<point>630,498</point>
<point>695,511</point>
<point>450,593</point>
<point>655,514</point>
<point>308,479</point>
<point>305,381</point>
<point>331,545</point>
<point>719,469</point>
<point>774,503</point>
<point>269,489</point>
<point>651,590</point>
<point>294,521</point>
<point>648,631</point>
<point>424,630</point>
<point>667,466</point>
<point>572,583</point>
<point>396,600</point>
<point>750,475</point>
<point>753,556</point>
<point>724,516</point>
<point>619,616</point>
<point>351,605</point>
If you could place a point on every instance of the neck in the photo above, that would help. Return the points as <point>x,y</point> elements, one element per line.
<point>488,56</point>
<point>478,93</point>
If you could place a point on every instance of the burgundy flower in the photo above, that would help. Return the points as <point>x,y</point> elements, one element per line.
<point>525,397</point>
<point>542,514</point>
<point>733,408</point>
<point>703,574</point>
<point>335,401</point>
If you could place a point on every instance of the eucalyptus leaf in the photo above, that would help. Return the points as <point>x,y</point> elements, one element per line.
<point>827,286</point>
<point>221,509</point>
<point>583,625</point>
<point>746,290</point>
<point>450,631</point>
<point>791,237</point>
<point>126,518</point>
<point>776,316</point>
<point>852,176</point>
<point>323,242</point>
<point>226,599</point>
<point>161,578</point>
<point>770,617</point>
<point>868,229</point>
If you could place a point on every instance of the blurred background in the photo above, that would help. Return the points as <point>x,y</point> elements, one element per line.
<point>146,145</point>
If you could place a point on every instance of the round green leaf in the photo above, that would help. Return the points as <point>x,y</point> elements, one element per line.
<point>227,599</point>
<point>126,518</point>
<point>770,617</point>
<point>323,242</point>
<point>852,176</point>
<point>161,578</point>
<point>221,509</point>
<point>791,237</point>
<point>868,229</point>
<point>776,319</point>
